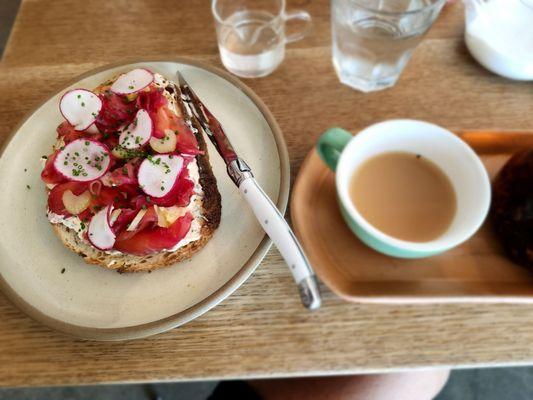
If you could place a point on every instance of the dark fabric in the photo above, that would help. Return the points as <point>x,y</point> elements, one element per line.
<point>234,390</point>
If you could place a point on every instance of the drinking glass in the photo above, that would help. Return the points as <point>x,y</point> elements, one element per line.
<point>251,34</point>
<point>373,39</point>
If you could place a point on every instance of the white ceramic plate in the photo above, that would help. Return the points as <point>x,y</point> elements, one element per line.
<point>96,303</point>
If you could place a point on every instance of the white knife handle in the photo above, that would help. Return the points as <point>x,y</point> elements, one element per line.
<point>279,231</point>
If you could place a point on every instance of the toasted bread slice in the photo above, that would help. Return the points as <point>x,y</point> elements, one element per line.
<point>209,222</point>
<point>211,210</point>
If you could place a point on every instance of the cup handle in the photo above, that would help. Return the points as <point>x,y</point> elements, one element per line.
<point>302,16</point>
<point>331,144</point>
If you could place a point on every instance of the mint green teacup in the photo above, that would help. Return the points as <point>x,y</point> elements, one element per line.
<point>344,153</point>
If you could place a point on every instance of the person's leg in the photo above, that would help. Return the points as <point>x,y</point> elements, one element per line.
<point>416,385</point>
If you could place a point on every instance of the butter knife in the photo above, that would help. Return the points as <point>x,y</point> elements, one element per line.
<point>264,209</point>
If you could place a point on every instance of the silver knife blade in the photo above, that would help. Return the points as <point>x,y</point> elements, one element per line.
<point>209,123</point>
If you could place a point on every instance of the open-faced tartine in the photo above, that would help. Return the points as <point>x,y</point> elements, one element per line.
<point>129,182</point>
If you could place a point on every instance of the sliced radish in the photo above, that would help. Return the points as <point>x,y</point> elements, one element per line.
<point>83,160</point>
<point>100,234</point>
<point>180,194</point>
<point>138,133</point>
<point>92,129</point>
<point>50,175</point>
<point>123,220</point>
<point>80,108</point>
<point>132,81</point>
<point>158,174</point>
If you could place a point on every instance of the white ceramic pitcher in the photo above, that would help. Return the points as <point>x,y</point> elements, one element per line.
<point>499,34</point>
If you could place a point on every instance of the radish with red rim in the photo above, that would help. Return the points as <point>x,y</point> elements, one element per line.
<point>80,108</point>
<point>82,160</point>
<point>92,129</point>
<point>158,174</point>
<point>181,193</point>
<point>133,81</point>
<point>99,232</point>
<point>138,133</point>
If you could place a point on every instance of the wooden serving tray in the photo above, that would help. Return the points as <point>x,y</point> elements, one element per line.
<point>476,271</point>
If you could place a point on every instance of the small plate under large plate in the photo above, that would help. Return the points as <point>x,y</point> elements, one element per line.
<point>96,303</point>
<point>476,271</point>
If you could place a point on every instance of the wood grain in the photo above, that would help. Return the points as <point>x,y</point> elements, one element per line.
<point>75,31</point>
<point>474,271</point>
<point>262,330</point>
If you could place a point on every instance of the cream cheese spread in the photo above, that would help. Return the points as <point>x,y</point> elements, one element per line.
<point>194,207</point>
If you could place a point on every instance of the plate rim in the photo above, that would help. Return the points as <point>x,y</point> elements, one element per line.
<point>211,301</point>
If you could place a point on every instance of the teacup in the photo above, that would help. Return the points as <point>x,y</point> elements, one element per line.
<point>344,153</point>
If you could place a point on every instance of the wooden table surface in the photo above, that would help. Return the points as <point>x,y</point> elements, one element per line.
<point>261,330</point>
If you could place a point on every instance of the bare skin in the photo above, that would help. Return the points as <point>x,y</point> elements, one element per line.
<point>416,385</point>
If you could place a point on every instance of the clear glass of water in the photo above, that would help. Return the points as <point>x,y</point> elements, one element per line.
<point>373,39</point>
<point>251,34</point>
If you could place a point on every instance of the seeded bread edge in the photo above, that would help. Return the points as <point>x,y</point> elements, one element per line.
<point>211,213</point>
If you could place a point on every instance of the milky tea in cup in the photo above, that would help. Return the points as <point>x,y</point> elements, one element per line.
<point>404,195</point>
<point>407,188</point>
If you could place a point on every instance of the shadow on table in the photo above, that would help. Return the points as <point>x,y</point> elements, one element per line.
<point>8,12</point>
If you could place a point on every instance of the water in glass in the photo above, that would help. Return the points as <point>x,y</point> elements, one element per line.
<point>250,45</point>
<point>371,46</point>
